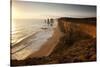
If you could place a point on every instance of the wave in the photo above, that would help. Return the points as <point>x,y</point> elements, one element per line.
<point>37,39</point>
<point>23,38</point>
<point>18,44</point>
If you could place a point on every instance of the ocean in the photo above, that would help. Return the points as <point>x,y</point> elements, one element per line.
<point>22,28</point>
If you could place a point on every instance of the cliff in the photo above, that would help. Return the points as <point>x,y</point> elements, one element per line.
<point>77,44</point>
<point>86,25</point>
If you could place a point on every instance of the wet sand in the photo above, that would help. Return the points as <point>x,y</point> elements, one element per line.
<point>48,47</point>
<point>44,40</point>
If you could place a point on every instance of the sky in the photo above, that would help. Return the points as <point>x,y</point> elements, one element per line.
<point>40,10</point>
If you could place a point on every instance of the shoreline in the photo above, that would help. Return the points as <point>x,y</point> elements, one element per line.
<point>19,43</point>
<point>45,49</point>
<point>48,47</point>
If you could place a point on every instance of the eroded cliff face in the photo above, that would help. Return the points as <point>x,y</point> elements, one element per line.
<point>77,44</point>
<point>67,25</point>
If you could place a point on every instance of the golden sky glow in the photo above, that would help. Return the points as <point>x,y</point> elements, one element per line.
<point>26,10</point>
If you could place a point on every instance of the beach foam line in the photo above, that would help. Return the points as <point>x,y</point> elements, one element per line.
<point>34,44</point>
<point>25,37</point>
<point>19,46</point>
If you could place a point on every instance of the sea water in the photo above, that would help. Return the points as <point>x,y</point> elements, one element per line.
<point>22,28</point>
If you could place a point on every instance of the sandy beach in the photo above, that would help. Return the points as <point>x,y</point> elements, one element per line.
<point>48,47</point>
<point>38,45</point>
